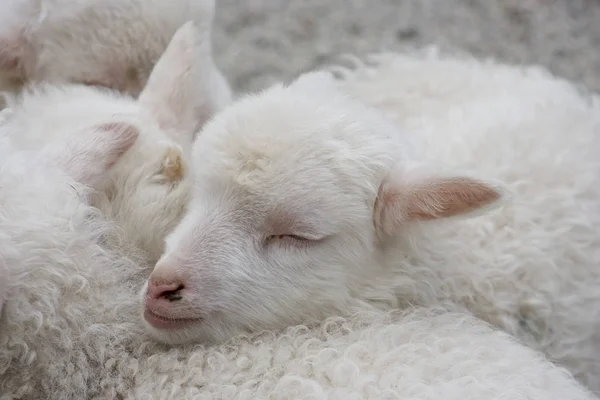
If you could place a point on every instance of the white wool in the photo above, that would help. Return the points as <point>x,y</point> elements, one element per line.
<point>308,203</point>
<point>66,295</point>
<point>68,329</point>
<point>109,43</point>
<point>418,354</point>
<point>150,184</point>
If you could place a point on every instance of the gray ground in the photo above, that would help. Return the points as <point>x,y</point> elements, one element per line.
<point>258,42</point>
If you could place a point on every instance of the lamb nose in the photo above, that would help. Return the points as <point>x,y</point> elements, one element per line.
<point>169,291</point>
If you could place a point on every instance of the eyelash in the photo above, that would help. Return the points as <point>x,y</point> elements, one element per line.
<point>296,240</point>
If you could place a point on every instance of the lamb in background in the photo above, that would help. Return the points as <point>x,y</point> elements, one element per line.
<point>149,186</point>
<point>308,203</point>
<point>107,43</point>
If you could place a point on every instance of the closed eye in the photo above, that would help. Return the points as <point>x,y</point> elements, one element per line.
<point>290,239</point>
<point>294,237</point>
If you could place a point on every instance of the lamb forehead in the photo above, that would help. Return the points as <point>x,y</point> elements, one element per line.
<point>51,112</point>
<point>294,141</point>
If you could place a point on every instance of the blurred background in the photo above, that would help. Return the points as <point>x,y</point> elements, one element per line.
<point>258,42</point>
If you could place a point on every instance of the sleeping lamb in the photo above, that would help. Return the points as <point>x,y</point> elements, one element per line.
<point>149,186</point>
<point>107,43</point>
<point>69,332</point>
<point>479,187</point>
<point>68,328</point>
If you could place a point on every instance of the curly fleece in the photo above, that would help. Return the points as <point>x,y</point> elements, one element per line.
<point>531,269</point>
<point>70,327</point>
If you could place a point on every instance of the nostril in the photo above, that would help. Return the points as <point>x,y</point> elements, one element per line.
<point>171,292</point>
<point>173,295</point>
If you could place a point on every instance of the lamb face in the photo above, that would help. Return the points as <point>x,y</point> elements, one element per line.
<point>64,41</point>
<point>296,191</point>
<point>149,185</point>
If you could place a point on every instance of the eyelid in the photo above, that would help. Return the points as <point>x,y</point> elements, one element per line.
<point>288,240</point>
<point>301,237</point>
<point>297,237</point>
<point>308,236</point>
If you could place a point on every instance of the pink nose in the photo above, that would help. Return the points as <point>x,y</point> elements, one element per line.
<point>169,291</point>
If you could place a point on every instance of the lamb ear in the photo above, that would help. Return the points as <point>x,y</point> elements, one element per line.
<point>414,195</point>
<point>89,154</point>
<point>185,87</point>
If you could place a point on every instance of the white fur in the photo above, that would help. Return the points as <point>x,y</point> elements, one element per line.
<point>418,354</point>
<point>68,329</point>
<point>66,295</point>
<point>109,43</point>
<point>309,160</point>
<point>149,187</point>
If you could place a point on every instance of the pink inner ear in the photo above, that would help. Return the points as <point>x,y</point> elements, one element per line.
<point>447,198</point>
<point>430,200</point>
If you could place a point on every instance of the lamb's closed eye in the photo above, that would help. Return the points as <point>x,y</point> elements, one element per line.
<point>293,239</point>
<point>288,240</point>
<point>288,236</point>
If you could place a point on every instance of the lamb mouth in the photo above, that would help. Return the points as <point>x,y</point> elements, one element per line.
<point>166,323</point>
